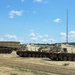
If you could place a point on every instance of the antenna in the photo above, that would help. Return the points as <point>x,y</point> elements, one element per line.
<point>67,29</point>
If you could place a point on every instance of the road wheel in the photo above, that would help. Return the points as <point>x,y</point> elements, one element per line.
<point>70,58</point>
<point>73,58</point>
<point>44,56</point>
<point>54,59</point>
<point>60,59</point>
<point>36,55</point>
<point>33,55</point>
<point>65,58</point>
<point>40,55</point>
<point>25,54</point>
<point>20,54</point>
<point>29,55</point>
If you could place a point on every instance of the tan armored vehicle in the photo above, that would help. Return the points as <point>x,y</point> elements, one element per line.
<point>54,52</point>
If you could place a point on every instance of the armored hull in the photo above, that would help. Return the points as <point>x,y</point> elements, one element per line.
<point>5,50</point>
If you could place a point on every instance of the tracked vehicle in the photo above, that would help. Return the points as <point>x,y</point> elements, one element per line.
<point>31,51</point>
<point>63,52</point>
<point>31,54</point>
<point>6,50</point>
<point>8,46</point>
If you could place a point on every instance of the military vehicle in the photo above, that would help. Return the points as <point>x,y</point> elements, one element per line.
<point>6,50</point>
<point>63,52</point>
<point>31,51</point>
<point>8,46</point>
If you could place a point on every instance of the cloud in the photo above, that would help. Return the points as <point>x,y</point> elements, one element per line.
<point>8,6</point>
<point>42,36</point>
<point>72,34</point>
<point>10,36</point>
<point>33,12</point>
<point>22,0</point>
<point>63,35</point>
<point>32,34</point>
<point>39,1</point>
<point>46,35</point>
<point>48,40</point>
<point>12,13</point>
<point>20,40</point>
<point>52,40</point>
<point>2,39</point>
<point>34,39</point>
<point>39,36</point>
<point>44,40</point>
<point>57,20</point>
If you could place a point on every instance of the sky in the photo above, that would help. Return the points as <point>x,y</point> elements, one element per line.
<point>37,21</point>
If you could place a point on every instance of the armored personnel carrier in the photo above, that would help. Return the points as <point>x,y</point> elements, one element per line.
<point>31,51</point>
<point>63,52</point>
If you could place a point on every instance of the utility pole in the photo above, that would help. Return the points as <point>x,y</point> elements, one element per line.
<point>67,29</point>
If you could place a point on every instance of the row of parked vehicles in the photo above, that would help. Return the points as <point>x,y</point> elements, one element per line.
<point>62,52</point>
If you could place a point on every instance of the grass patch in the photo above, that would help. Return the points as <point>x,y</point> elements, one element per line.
<point>35,72</point>
<point>40,72</point>
<point>65,64</point>
<point>13,74</point>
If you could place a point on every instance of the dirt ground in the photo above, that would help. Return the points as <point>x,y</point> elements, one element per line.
<point>12,64</point>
